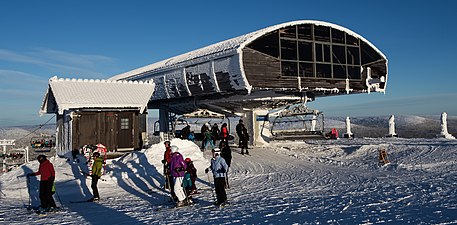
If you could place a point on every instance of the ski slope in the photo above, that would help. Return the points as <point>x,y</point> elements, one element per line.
<point>290,182</point>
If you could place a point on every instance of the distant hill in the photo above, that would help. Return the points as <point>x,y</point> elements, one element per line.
<point>23,134</point>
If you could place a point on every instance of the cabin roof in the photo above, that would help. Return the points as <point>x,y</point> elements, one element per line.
<point>64,94</point>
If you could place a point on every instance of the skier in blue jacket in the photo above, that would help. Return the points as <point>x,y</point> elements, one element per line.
<point>219,169</point>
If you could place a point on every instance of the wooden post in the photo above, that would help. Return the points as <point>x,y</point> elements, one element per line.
<point>383,159</point>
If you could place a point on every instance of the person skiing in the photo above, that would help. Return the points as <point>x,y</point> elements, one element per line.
<point>193,174</point>
<point>185,132</point>
<point>48,175</point>
<point>208,140</point>
<point>224,133</point>
<point>166,169</point>
<point>96,175</point>
<point>219,168</point>
<point>189,180</point>
<point>203,130</point>
<point>215,132</point>
<point>178,169</point>
<point>191,136</point>
<point>239,131</point>
<point>244,141</point>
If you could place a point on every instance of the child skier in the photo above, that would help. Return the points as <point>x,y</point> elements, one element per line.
<point>189,180</point>
<point>219,168</point>
<point>192,171</point>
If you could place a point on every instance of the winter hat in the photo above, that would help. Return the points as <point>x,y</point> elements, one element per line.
<point>174,148</point>
<point>188,160</point>
<point>41,158</point>
<point>216,150</point>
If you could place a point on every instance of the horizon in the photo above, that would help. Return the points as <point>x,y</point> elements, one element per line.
<point>98,40</point>
<point>449,117</point>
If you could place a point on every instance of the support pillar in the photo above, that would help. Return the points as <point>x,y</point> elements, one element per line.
<point>255,126</point>
<point>392,132</point>
<point>164,128</point>
<point>444,131</point>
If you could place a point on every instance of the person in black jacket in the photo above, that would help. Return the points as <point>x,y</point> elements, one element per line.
<point>226,153</point>
<point>239,131</point>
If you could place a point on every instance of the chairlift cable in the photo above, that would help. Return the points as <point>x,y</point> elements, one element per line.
<point>39,127</point>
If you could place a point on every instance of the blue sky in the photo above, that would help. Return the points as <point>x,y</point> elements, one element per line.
<point>99,39</point>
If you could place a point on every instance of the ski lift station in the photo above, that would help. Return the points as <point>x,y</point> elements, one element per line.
<point>276,67</point>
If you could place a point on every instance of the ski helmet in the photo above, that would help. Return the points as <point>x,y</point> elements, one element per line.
<point>188,160</point>
<point>96,154</point>
<point>174,148</point>
<point>216,150</point>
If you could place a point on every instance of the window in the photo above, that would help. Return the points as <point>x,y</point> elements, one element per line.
<point>289,68</point>
<point>322,52</point>
<point>324,70</point>
<point>125,123</point>
<point>339,71</point>
<point>353,55</point>
<point>288,32</point>
<point>351,40</point>
<point>322,33</point>
<point>306,70</point>
<point>305,51</point>
<point>337,36</point>
<point>288,49</point>
<point>304,32</point>
<point>339,55</point>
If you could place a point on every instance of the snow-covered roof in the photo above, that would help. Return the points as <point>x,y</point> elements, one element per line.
<point>64,94</point>
<point>230,46</point>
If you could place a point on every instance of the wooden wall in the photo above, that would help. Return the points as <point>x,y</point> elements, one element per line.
<point>93,127</point>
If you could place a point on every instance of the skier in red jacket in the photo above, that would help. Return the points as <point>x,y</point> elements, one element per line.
<point>47,173</point>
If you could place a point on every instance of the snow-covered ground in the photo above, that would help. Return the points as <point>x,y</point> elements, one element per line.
<point>290,182</point>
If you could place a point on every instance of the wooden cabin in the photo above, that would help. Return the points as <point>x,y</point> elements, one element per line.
<point>98,111</point>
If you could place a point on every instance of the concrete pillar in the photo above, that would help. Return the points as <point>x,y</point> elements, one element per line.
<point>248,121</point>
<point>257,136</point>
<point>444,132</point>
<point>392,127</point>
<point>348,133</point>
<point>164,124</point>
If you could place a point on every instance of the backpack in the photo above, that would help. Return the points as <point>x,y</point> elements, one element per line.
<point>187,182</point>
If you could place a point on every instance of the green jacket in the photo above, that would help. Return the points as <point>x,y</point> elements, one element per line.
<point>97,167</point>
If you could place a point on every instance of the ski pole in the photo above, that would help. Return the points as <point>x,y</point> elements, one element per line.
<point>226,181</point>
<point>211,184</point>
<point>28,189</point>
<point>169,186</point>
<point>58,197</point>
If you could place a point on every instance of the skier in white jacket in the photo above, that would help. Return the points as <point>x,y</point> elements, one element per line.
<point>219,169</point>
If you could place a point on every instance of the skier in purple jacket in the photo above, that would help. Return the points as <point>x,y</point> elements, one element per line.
<point>178,169</point>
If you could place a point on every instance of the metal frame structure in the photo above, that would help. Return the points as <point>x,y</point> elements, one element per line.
<point>298,113</point>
